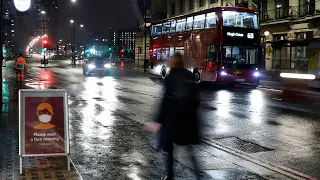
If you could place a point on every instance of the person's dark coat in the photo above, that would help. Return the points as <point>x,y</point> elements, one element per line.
<point>178,111</point>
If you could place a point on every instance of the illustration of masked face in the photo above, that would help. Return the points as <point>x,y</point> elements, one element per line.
<point>45,115</point>
<point>44,118</point>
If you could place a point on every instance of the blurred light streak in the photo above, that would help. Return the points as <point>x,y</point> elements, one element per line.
<point>298,76</point>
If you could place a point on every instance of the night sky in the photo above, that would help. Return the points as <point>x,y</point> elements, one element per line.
<point>95,15</point>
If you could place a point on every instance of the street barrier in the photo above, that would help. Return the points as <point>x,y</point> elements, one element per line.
<point>43,124</point>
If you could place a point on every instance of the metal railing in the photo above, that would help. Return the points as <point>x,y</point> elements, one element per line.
<point>291,12</point>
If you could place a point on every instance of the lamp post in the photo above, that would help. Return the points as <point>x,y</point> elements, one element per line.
<point>43,36</point>
<point>74,32</point>
<point>72,42</point>
<point>1,50</point>
<point>81,29</point>
<point>81,45</point>
<point>145,36</point>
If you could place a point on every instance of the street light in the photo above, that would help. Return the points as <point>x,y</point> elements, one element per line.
<point>81,29</point>
<point>71,21</point>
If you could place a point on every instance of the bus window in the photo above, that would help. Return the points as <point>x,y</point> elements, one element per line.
<point>171,52</point>
<point>189,23</point>
<point>211,20</point>
<point>240,55</point>
<point>198,22</point>
<point>180,50</point>
<point>166,28</point>
<point>173,26</point>
<point>165,54</point>
<point>240,19</point>
<point>156,29</point>
<point>181,25</point>
<point>159,54</point>
<point>153,30</point>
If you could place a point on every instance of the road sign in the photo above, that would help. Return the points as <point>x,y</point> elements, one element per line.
<point>43,124</point>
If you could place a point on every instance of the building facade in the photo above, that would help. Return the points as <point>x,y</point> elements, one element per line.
<point>9,30</point>
<point>46,23</point>
<point>127,39</point>
<point>290,32</point>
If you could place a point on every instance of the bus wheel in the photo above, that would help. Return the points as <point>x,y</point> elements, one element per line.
<point>163,72</point>
<point>197,76</point>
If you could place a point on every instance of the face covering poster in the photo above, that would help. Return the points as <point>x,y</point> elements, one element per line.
<point>44,125</point>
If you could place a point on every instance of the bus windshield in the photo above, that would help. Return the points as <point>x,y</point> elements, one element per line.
<point>240,19</point>
<point>240,56</point>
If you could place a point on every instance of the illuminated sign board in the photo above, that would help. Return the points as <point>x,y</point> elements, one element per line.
<point>241,35</point>
<point>233,34</point>
<point>22,5</point>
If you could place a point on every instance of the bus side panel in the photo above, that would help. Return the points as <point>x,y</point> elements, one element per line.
<point>206,54</point>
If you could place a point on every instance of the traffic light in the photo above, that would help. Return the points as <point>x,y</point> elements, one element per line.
<point>46,44</point>
<point>31,49</point>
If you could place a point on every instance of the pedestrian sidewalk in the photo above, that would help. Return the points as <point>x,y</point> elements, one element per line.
<point>33,168</point>
<point>114,147</point>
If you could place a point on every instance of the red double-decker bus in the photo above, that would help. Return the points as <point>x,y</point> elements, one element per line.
<point>219,44</point>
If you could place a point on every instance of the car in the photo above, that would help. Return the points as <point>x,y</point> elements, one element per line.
<point>94,65</point>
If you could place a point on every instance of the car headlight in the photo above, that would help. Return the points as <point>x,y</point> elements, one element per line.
<point>91,66</point>
<point>107,65</point>
<point>223,73</point>
<point>256,74</point>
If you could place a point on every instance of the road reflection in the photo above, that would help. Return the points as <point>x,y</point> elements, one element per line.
<point>223,101</point>
<point>256,107</point>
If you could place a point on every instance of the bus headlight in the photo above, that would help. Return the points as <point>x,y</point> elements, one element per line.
<point>91,66</point>
<point>223,73</point>
<point>256,74</point>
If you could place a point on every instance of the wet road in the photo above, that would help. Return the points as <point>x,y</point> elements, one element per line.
<point>107,113</point>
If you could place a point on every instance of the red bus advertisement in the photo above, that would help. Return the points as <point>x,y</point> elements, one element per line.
<point>218,44</point>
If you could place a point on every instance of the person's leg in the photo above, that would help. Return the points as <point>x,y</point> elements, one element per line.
<point>194,161</point>
<point>170,164</point>
<point>18,75</point>
<point>22,75</point>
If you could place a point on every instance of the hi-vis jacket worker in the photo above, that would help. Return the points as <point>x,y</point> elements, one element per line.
<point>20,64</point>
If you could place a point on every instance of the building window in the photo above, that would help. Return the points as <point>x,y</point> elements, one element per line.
<point>282,9</point>
<point>191,4</point>
<point>202,3</point>
<point>279,37</point>
<point>214,1</point>
<point>173,8</point>
<point>181,6</point>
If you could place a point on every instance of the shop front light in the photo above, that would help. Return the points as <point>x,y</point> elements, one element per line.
<point>91,66</point>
